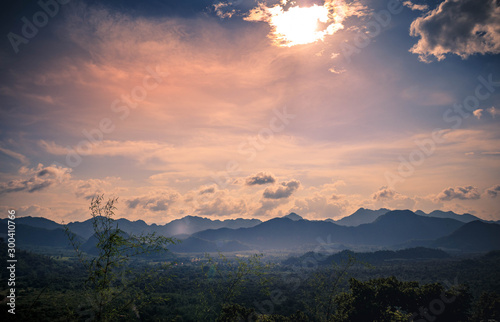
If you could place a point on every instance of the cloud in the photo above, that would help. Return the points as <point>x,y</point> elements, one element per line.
<point>222,207</point>
<point>260,179</point>
<point>219,204</point>
<point>35,179</point>
<point>321,207</point>
<point>332,187</point>
<point>390,198</point>
<point>462,193</point>
<point>460,27</point>
<point>414,6</point>
<point>159,201</point>
<point>293,25</point>
<point>493,191</point>
<point>144,149</point>
<point>284,190</point>
<point>335,70</point>
<point>88,189</point>
<point>384,193</point>
<point>271,208</point>
<point>203,58</point>
<point>182,162</point>
<point>478,113</point>
<point>18,156</point>
<point>34,211</point>
<point>224,10</point>
<point>205,190</point>
<point>337,197</point>
<point>493,111</point>
<point>427,203</point>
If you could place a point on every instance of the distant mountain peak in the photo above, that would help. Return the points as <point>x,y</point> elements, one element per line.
<point>449,214</point>
<point>361,216</point>
<point>293,216</point>
<point>362,209</point>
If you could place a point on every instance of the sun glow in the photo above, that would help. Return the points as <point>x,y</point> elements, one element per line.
<point>298,26</point>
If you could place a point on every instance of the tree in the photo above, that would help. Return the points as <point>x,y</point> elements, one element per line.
<point>114,288</point>
<point>224,279</point>
<point>325,285</point>
<point>487,307</point>
<point>388,299</point>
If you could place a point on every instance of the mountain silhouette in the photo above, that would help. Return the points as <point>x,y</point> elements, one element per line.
<point>38,222</point>
<point>390,229</point>
<point>34,236</point>
<point>293,216</point>
<point>394,227</point>
<point>476,236</point>
<point>361,216</point>
<point>186,225</point>
<point>449,214</point>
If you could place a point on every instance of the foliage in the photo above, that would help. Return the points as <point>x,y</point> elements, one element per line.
<point>325,285</point>
<point>416,253</point>
<point>388,299</point>
<point>114,289</point>
<point>487,307</point>
<point>224,280</point>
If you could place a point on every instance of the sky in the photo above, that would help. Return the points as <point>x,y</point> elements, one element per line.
<point>249,109</point>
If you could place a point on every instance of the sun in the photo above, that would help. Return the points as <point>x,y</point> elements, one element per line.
<point>298,26</point>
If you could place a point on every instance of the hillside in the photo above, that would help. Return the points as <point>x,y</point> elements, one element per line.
<point>34,236</point>
<point>197,245</point>
<point>475,236</point>
<point>38,222</point>
<point>418,253</point>
<point>403,225</point>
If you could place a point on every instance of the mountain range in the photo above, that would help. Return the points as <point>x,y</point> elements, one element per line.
<point>385,229</point>
<point>366,216</point>
<point>178,227</point>
<point>449,214</point>
<point>283,233</point>
<point>26,235</point>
